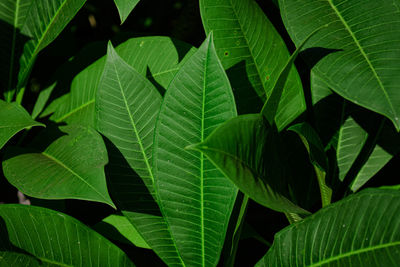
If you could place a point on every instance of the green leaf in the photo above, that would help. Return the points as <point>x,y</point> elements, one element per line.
<point>118,227</point>
<point>318,157</point>
<point>243,34</point>
<point>44,22</point>
<point>125,7</point>
<point>42,100</point>
<point>12,18</point>
<point>70,167</point>
<point>246,150</point>
<point>360,230</point>
<point>194,197</point>
<point>127,105</point>
<point>55,239</point>
<point>13,118</point>
<point>157,58</point>
<point>366,65</point>
<point>11,258</point>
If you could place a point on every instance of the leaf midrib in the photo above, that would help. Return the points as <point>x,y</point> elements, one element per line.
<point>360,48</point>
<point>354,252</point>
<point>74,173</point>
<point>139,140</point>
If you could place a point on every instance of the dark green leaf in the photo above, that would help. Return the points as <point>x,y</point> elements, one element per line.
<point>71,167</point>
<point>360,230</point>
<point>246,150</point>
<point>194,197</point>
<point>13,118</point>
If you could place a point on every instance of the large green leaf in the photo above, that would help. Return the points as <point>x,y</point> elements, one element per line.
<point>158,58</point>
<point>125,7</point>
<point>127,105</point>
<point>246,150</point>
<point>55,239</point>
<point>12,18</point>
<point>44,22</point>
<point>243,34</point>
<point>366,66</point>
<point>13,118</point>
<point>71,167</point>
<point>361,230</point>
<point>195,198</point>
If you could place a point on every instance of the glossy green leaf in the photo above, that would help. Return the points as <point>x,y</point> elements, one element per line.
<point>12,18</point>
<point>247,41</point>
<point>246,150</point>
<point>125,7</point>
<point>118,227</point>
<point>13,118</point>
<point>55,239</point>
<point>366,65</point>
<point>157,58</point>
<point>194,197</point>
<point>127,105</point>
<point>360,230</point>
<point>70,167</point>
<point>44,22</point>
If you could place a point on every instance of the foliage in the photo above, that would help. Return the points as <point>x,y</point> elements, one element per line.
<point>178,145</point>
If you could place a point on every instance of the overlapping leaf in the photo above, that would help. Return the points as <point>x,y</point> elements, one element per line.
<point>195,198</point>
<point>12,18</point>
<point>248,44</point>
<point>44,22</point>
<point>126,108</point>
<point>53,238</point>
<point>13,118</point>
<point>246,150</point>
<point>71,167</point>
<point>361,230</point>
<point>366,66</point>
<point>157,58</point>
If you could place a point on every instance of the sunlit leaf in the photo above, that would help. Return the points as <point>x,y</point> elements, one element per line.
<point>125,7</point>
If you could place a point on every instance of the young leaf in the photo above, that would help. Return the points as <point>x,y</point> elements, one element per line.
<point>127,105</point>
<point>360,230</point>
<point>243,34</point>
<point>12,18</point>
<point>13,118</point>
<point>55,239</point>
<point>246,150</point>
<point>366,67</point>
<point>125,7</point>
<point>318,157</point>
<point>71,167</point>
<point>118,227</point>
<point>195,198</point>
<point>44,22</point>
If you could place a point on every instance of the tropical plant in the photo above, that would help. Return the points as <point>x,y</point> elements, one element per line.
<point>179,146</point>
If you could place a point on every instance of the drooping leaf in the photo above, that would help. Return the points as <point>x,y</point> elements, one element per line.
<point>248,44</point>
<point>125,7</point>
<point>55,239</point>
<point>70,167</point>
<point>118,227</point>
<point>13,118</point>
<point>126,108</point>
<point>366,66</point>
<point>318,157</point>
<point>157,58</point>
<point>12,18</point>
<point>360,230</point>
<point>195,198</point>
<point>246,150</point>
<point>44,22</point>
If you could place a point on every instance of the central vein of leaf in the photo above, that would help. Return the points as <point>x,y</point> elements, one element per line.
<point>363,54</point>
<point>139,140</point>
